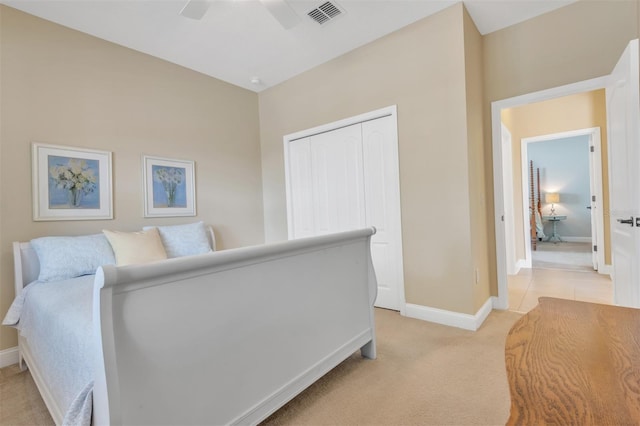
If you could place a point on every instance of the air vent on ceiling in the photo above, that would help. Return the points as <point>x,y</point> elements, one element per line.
<point>325,12</point>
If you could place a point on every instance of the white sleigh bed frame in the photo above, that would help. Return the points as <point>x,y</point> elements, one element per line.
<point>222,338</point>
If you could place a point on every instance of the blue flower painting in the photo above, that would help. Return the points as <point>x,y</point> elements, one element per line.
<point>169,187</point>
<point>73,183</point>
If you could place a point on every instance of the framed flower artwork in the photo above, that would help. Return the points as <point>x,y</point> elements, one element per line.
<point>169,187</point>
<point>71,183</point>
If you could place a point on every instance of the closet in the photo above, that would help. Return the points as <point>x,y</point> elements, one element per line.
<point>345,176</point>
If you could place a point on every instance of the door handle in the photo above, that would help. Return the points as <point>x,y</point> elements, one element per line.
<point>627,221</point>
<point>589,207</point>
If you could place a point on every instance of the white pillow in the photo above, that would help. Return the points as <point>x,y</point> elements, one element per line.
<point>184,240</point>
<point>136,247</point>
<point>62,258</point>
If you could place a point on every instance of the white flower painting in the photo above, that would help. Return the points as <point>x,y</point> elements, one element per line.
<point>169,187</point>
<point>74,183</point>
<point>71,183</point>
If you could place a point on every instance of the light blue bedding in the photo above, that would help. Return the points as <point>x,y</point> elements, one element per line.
<point>56,320</point>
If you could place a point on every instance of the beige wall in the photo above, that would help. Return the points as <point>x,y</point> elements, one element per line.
<point>564,114</point>
<point>476,164</point>
<point>421,69</point>
<point>575,43</point>
<point>64,87</point>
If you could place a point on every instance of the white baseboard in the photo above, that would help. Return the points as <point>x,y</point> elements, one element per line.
<point>496,304</point>
<point>605,269</point>
<point>450,318</point>
<point>576,239</point>
<point>521,263</point>
<point>8,357</point>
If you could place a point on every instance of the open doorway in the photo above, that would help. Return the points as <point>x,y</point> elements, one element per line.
<point>563,212</point>
<point>548,282</point>
<point>569,211</point>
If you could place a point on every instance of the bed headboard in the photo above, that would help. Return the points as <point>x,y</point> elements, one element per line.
<point>27,267</point>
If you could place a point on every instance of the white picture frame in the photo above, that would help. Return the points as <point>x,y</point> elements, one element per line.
<point>71,183</point>
<point>169,187</point>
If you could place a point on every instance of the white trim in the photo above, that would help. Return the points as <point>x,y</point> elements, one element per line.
<point>367,116</point>
<point>605,269</point>
<point>9,357</point>
<point>526,199</point>
<point>499,304</point>
<point>521,263</point>
<point>507,171</point>
<point>498,198</point>
<point>495,302</point>
<point>450,318</point>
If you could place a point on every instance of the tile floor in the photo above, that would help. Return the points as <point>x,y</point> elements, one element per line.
<point>558,281</point>
<point>529,284</point>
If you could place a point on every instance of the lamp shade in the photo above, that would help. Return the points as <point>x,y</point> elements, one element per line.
<point>552,197</point>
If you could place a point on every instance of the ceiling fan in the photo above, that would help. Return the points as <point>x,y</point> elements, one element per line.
<point>280,9</point>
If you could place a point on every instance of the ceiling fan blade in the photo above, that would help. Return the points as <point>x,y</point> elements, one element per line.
<point>195,9</point>
<point>283,13</point>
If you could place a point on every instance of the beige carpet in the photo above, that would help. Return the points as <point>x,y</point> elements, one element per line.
<point>20,402</point>
<point>425,374</point>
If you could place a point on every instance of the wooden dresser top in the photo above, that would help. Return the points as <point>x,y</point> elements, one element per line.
<point>574,363</point>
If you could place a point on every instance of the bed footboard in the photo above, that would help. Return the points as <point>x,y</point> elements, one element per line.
<point>229,337</point>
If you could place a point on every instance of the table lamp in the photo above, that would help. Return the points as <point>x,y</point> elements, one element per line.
<point>552,198</point>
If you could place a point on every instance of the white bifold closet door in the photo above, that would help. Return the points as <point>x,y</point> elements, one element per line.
<point>347,179</point>
<point>336,162</point>
<point>382,208</point>
<point>327,182</point>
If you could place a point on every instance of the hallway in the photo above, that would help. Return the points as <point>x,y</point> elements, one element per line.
<point>560,270</point>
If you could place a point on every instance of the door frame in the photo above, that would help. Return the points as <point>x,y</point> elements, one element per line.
<point>502,301</point>
<point>507,169</point>
<point>390,111</point>
<point>595,173</point>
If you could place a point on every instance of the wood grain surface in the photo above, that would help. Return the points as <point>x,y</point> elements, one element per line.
<point>574,363</point>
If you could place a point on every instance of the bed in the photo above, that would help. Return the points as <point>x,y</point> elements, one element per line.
<point>535,207</point>
<point>225,337</point>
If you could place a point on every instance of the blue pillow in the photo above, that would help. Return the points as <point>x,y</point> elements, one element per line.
<point>62,258</point>
<point>184,240</point>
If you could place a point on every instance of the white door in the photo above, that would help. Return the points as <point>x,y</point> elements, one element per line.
<point>382,201</point>
<point>348,178</point>
<point>326,188</point>
<point>301,212</point>
<point>623,109</point>
<point>338,187</point>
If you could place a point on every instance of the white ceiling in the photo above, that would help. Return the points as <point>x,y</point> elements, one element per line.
<point>239,40</point>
